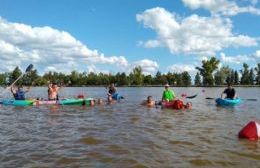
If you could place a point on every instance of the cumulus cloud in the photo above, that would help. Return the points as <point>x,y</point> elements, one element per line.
<point>148,66</point>
<point>240,59</point>
<point>193,34</point>
<point>179,68</point>
<point>224,7</point>
<point>47,48</point>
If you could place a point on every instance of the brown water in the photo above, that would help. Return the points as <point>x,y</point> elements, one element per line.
<point>127,134</point>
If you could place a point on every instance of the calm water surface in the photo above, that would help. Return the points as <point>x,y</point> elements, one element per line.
<point>127,134</point>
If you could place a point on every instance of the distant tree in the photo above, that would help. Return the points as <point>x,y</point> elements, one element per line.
<point>3,78</point>
<point>197,80</point>
<point>136,76</point>
<point>207,69</point>
<point>160,79</point>
<point>257,69</point>
<point>148,80</point>
<point>245,75</point>
<point>223,76</point>
<point>186,78</point>
<point>236,78</point>
<point>121,79</point>
<point>14,75</point>
<point>251,76</point>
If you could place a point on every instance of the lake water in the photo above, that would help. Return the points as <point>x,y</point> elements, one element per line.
<point>127,134</point>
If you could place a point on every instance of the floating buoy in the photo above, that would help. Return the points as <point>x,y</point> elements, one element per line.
<point>251,131</point>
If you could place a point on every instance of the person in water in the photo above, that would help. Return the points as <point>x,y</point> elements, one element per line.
<point>149,102</point>
<point>112,89</point>
<point>168,94</point>
<point>229,92</point>
<point>110,99</point>
<point>19,92</point>
<point>53,91</point>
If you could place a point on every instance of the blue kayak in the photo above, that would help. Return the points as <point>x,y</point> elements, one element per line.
<point>116,96</point>
<point>17,102</point>
<point>227,101</point>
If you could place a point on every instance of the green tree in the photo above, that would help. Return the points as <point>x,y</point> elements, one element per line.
<point>197,80</point>
<point>148,80</point>
<point>160,79</point>
<point>257,69</point>
<point>14,75</point>
<point>136,76</point>
<point>245,79</point>
<point>207,69</point>
<point>186,78</point>
<point>236,78</point>
<point>223,75</point>
<point>251,76</point>
<point>3,78</point>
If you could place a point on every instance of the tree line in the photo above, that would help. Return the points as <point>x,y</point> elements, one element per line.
<point>208,75</point>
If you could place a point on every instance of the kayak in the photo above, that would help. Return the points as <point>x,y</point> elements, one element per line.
<point>176,104</point>
<point>116,96</point>
<point>72,101</point>
<point>227,101</point>
<point>17,102</point>
<point>75,101</point>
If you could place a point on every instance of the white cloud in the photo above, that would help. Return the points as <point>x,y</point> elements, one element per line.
<point>148,66</point>
<point>240,59</point>
<point>193,34</point>
<point>47,48</point>
<point>224,7</point>
<point>179,68</point>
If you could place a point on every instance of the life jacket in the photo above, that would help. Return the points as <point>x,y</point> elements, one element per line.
<point>19,95</point>
<point>178,104</point>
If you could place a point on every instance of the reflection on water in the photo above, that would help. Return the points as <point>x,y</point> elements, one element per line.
<point>127,134</point>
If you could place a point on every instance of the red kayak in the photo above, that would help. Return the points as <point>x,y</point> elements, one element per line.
<point>176,104</point>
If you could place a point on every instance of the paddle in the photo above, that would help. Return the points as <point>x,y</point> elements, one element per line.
<point>211,98</point>
<point>191,97</point>
<point>28,69</point>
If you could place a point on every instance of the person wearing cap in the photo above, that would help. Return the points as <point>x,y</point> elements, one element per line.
<point>229,92</point>
<point>168,94</point>
<point>53,91</point>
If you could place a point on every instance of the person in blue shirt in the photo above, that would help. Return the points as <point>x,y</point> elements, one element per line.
<point>19,92</point>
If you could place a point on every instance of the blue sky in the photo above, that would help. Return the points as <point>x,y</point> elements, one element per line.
<point>117,35</point>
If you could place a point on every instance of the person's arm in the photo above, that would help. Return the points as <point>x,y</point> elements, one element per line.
<point>12,90</point>
<point>163,96</point>
<point>223,93</point>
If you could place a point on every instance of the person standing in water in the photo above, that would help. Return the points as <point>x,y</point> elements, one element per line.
<point>53,91</point>
<point>168,94</point>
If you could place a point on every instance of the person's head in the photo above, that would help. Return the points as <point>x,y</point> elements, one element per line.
<point>166,86</point>
<point>188,105</point>
<point>92,102</point>
<point>54,85</point>
<point>99,101</point>
<point>230,85</point>
<point>112,85</point>
<point>149,99</point>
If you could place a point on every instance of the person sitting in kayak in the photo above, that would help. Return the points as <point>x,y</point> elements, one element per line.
<point>168,94</point>
<point>149,102</point>
<point>19,93</point>
<point>53,91</point>
<point>229,92</point>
